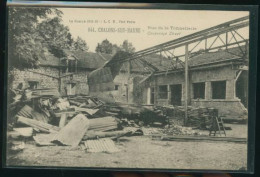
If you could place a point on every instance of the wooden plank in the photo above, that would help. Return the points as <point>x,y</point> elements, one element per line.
<point>63,120</point>
<point>99,134</point>
<point>44,139</point>
<point>37,124</point>
<point>27,111</point>
<point>73,132</point>
<point>203,138</point>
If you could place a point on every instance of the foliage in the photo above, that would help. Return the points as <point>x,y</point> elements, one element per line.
<point>80,44</point>
<point>24,42</point>
<point>105,47</point>
<point>127,47</point>
<point>34,32</point>
<point>56,36</point>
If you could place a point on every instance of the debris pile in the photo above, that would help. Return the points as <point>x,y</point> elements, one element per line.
<point>50,119</point>
<point>198,117</point>
<point>179,130</point>
<point>73,121</point>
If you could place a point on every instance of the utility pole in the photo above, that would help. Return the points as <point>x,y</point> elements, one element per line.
<point>186,83</point>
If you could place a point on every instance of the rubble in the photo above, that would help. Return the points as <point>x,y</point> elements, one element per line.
<point>92,124</point>
<point>44,127</point>
<point>179,130</point>
<point>24,132</point>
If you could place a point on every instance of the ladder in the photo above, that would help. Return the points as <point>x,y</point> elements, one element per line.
<point>217,125</point>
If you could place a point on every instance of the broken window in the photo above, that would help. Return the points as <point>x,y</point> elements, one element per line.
<point>163,92</point>
<point>218,89</point>
<point>199,90</point>
<point>33,84</point>
<point>116,87</point>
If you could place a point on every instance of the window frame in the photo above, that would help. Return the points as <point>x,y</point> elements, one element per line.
<point>161,93</point>
<point>213,95</point>
<point>195,85</point>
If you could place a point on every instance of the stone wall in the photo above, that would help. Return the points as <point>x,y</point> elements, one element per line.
<point>25,75</point>
<point>42,75</point>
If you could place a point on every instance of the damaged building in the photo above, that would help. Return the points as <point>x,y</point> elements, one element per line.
<point>217,79</point>
<point>215,76</point>
<point>67,74</point>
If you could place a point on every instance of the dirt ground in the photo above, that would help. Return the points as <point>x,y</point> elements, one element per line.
<point>143,152</point>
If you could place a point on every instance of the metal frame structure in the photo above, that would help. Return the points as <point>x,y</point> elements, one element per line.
<point>226,34</point>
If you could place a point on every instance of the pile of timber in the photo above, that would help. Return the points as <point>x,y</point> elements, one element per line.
<point>86,101</point>
<point>198,117</point>
<point>45,92</point>
<point>201,117</point>
<point>97,124</point>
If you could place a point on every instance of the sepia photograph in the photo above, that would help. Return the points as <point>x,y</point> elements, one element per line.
<point>127,88</point>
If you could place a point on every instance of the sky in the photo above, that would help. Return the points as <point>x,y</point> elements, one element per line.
<point>143,28</point>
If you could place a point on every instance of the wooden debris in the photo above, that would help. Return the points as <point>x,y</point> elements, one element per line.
<point>101,145</point>
<point>86,110</point>
<point>63,120</point>
<point>27,111</point>
<point>17,146</point>
<point>13,134</point>
<point>45,92</point>
<point>73,132</point>
<point>97,134</point>
<point>103,124</point>
<point>44,127</point>
<point>25,132</point>
<point>44,139</point>
<point>204,138</point>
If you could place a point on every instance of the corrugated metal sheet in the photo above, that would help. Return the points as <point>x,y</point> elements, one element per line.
<point>101,145</point>
<point>73,132</point>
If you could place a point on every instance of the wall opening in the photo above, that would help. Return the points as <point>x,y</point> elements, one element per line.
<point>71,89</point>
<point>199,90</point>
<point>176,93</point>
<point>218,89</point>
<point>33,84</point>
<point>152,95</point>
<point>163,92</point>
<point>116,87</point>
<point>242,88</point>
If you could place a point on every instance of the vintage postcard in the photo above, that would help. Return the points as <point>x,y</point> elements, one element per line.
<point>128,88</point>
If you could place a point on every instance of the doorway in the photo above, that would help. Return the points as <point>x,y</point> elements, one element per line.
<point>176,94</point>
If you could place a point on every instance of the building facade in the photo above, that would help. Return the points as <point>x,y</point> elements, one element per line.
<point>216,79</point>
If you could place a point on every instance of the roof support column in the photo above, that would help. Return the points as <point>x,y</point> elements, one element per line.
<point>186,102</point>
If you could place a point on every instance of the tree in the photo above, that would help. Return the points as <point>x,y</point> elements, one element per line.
<point>105,47</point>
<point>80,44</point>
<point>127,47</point>
<point>24,42</point>
<point>57,36</point>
